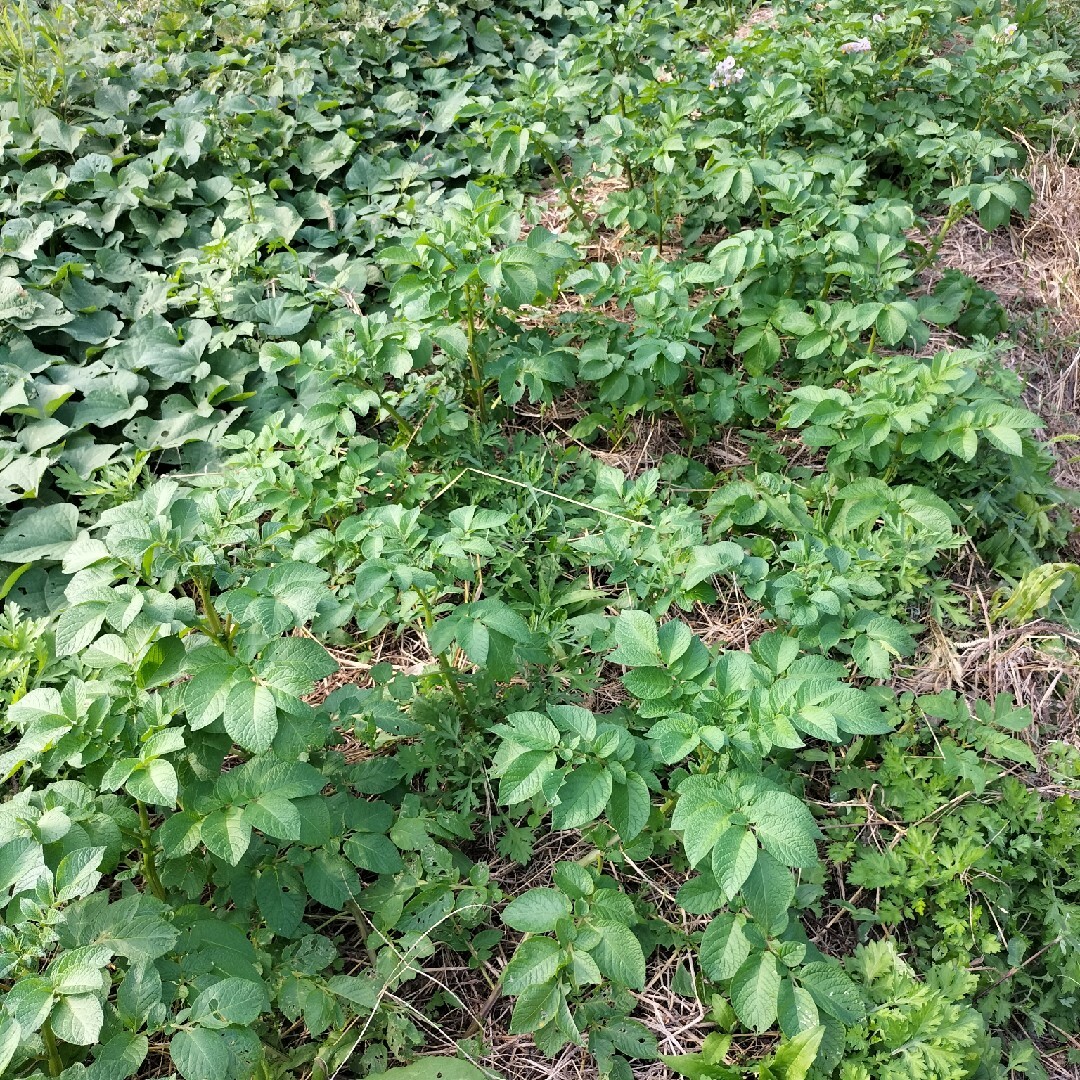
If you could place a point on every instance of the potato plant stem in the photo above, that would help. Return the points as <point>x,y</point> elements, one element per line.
<point>149,859</point>
<point>444,665</point>
<point>56,1064</point>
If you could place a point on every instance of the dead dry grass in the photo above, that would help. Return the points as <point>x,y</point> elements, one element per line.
<point>1034,268</point>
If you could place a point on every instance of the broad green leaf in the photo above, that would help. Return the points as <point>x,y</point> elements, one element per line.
<point>582,797</point>
<point>833,992</point>
<point>619,955</point>
<point>331,880</point>
<point>525,775</point>
<point>42,534</point>
<point>10,1038</point>
<point>629,807</point>
<point>701,895</point>
<point>796,1056</point>
<point>1006,439</point>
<point>77,1019</point>
<point>230,1001</point>
<point>78,626</point>
<point>29,1001</point>
<point>200,1054</point>
<point>724,947</point>
<point>251,716</point>
<point>21,860</point>
<point>274,815</point>
<point>755,988</point>
<point>796,1010</point>
<point>120,1058</point>
<point>708,561</point>
<point>79,970</point>
<point>77,875</point>
<point>768,892</point>
<point>281,897</point>
<point>227,834</point>
<point>637,640</point>
<point>785,828</point>
<point>733,857</point>
<point>139,993</point>
<point>293,665</point>
<point>535,961</point>
<point>154,783</point>
<point>536,911</point>
<point>535,1007</point>
<point>373,852</point>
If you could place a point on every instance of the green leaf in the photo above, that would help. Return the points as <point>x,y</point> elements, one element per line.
<point>582,797</point>
<point>536,911</point>
<point>707,562</point>
<point>535,961</point>
<point>724,947</point>
<point>227,834</point>
<point>230,1001</point>
<point>438,1068</point>
<point>139,994</point>
<point>20,858</point>
<point>768,892</point>
<point>199,1054</point>
<point>29,1002</point>
<point>275,816</point>
<point>796,1010</point>
<point>701,895</point>
<point>154,783</point>
<point>795,1057</point>
<point>251,716</point>
<point>785,828</point>
<point>281,897</point>
<point>293,665</point>
<point>536,1006</point>
<point>733,857</point>
<point>754,991</point>
<point>42,534</point>
<point>77,1019</point>
<point>10,1038</point>
<point>331,880</point>
<point>891,324</point>
<point>77,874</point>
<point>618,954</point>
<point>373,852</point>
<point>629,807</point>
<point>79,970</point>
<point>637,640</point>
<point>119,1058</point>
<point>525,775</point>
<point>833,992</point>
<point>1006,439</point>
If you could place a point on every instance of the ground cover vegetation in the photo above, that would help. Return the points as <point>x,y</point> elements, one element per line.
<point>480,485</point>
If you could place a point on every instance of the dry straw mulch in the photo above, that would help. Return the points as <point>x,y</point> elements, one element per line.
<point>1033,266</point>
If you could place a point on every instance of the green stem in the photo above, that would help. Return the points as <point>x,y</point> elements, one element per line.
<point>149,860</point>
<point>953,216</point>
<point>659,220</point>
<point>56,1065</point>
<point>564,185</point>
<point>445,669</point>
<point>474,359</point>
<point>213,623</point>
<point>390,411</point>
